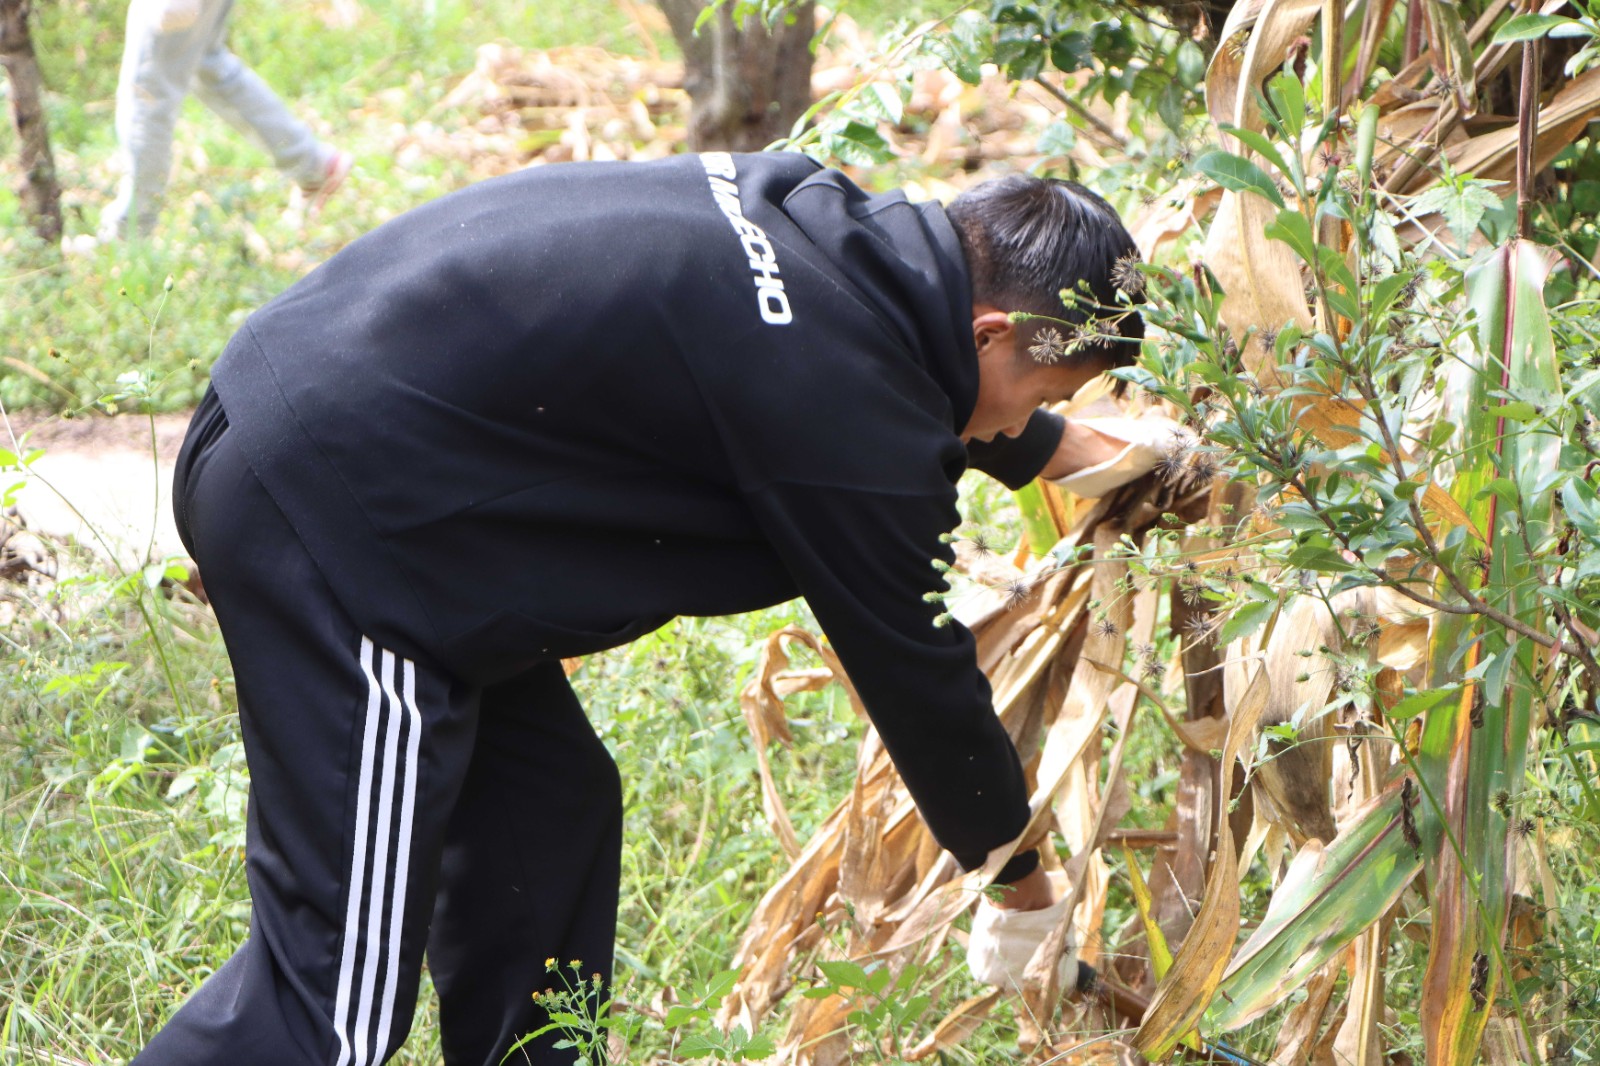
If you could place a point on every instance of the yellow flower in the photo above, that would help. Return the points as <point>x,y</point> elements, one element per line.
<point>550,963</point>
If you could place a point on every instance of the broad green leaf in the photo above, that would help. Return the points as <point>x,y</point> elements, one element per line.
<point>1315,557</point>
<point>1419,702</point>
<point>1463,205</point>
<point>1058,138</point>
<point>1561,595</point>
<point>1382,293</point>
<point>1516,411</point>
<point>1238,174</point>
<point>1246,620</point>
<point>843,973</point>
<point>1582,507</point>
<point>1529,27</point>
<point>1289,101</point>
<point>858,144</point>
<point>1259,143</point>
<point>1291,228</point>
<point>882,101</point>
<point>1191,64</point>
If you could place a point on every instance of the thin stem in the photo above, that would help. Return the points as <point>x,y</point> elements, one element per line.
<point>1108,136</point>
<point>1527,134</point>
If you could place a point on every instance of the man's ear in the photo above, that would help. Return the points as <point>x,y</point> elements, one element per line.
<point>991,325</point>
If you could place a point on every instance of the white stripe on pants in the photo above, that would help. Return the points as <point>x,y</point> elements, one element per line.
<point>373,931</point>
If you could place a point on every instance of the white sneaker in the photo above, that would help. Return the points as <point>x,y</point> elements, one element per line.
<point>81,245</point>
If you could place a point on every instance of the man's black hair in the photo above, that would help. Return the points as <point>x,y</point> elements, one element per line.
<point>1026,239</point>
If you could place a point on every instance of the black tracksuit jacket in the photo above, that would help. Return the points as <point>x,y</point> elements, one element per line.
<point>542,416</point>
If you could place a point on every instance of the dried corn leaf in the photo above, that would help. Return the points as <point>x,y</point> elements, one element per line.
<point>1176,212</point>
<point>1292,782</point>
<point>1260,277</point>
<point>1451,53</point>
<point>1493,155</point>
<point>1298,1033</point>
<point>912,891</point>
<point>1160,953</point>
<point>1082,827</point>
<point>783,923</point>
<point>1198,968</point>
<point>763,713</point>
<point>1236,75</point>
<point>869,866</point>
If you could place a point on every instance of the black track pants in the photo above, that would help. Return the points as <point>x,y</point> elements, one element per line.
<point>392,808</point>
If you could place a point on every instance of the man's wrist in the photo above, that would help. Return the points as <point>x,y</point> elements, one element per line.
<point>1081,447</point>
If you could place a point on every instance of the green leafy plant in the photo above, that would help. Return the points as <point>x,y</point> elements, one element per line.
<point>884,1001</point>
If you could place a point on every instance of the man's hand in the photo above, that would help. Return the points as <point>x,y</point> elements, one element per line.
<point>1098,455</point>
<point>1006,934</point>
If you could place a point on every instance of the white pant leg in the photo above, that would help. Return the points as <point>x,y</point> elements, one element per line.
<point>238,94</point>
<point>158,65</point>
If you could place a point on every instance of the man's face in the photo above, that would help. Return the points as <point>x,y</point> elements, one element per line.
<point>1010,383</point>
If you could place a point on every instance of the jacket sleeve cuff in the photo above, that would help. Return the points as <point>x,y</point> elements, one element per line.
<point>1016,868</point>
<point>1015,461</point>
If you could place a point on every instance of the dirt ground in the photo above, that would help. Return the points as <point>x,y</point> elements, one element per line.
<point>96,433</point>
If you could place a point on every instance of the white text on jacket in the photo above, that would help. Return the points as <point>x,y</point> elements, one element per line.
<point>770,295</point>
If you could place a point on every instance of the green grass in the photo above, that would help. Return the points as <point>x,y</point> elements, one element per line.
<point>122,807</point>
<point>122,794</point>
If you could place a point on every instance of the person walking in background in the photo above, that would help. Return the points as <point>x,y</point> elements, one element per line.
<point>171,47</point>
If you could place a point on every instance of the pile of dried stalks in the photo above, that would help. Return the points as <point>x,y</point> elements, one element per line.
<point>873,877</point>
<point>520,106</point>
<point>1069,649</point>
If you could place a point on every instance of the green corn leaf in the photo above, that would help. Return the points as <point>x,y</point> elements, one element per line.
<point>1476,747</point>
<point>1329,897</point>
<point>1366,141</point>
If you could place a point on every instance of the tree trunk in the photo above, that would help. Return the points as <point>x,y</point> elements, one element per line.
<point>747,84</point>
<point>39,191</point>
